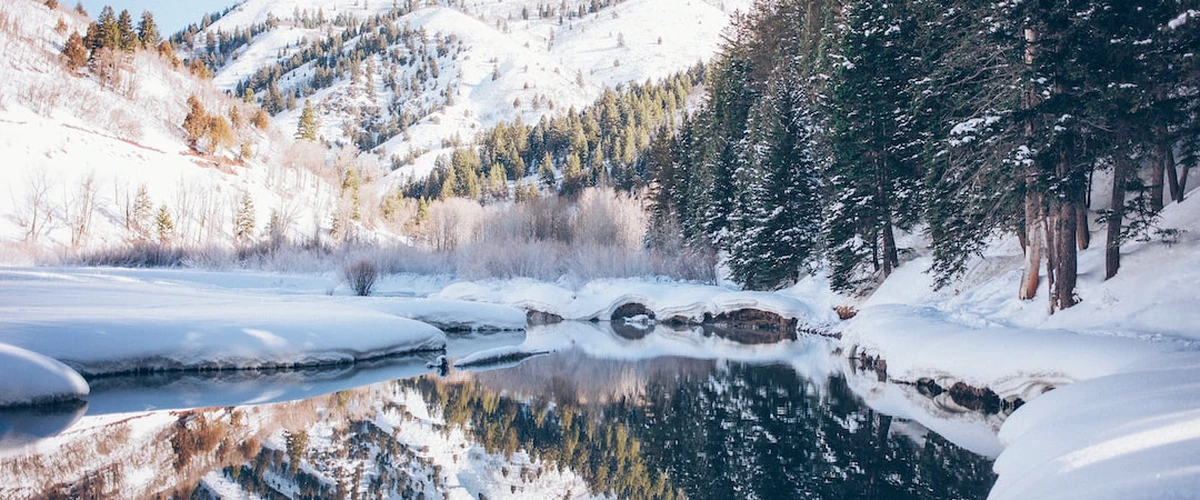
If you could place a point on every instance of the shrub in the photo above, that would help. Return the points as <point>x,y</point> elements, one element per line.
<point>361,275</point>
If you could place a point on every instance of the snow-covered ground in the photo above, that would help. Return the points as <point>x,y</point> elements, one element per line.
<point>99,324</point>
<point>1122,420</point>
<point>34,379</point>
<point>598,300</point>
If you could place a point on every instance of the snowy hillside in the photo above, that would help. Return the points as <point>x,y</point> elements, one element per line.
<point>475,64</point>
<point>94,155</point>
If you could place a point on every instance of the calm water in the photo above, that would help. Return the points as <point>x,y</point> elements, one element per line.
<point>602,415</point>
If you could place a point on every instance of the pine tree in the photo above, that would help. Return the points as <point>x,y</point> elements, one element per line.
<point>138,217</point>
<point>75,54</point>
<point>165,226</point>
<point>573,176</point>
<point>147,31</point>
<point>125,30</point>
<point>780,219</point>
<point>307,128</point>
<point>243,221</point>
<point>108,31</point>
<point>546,172</point>
<point>873,176</point>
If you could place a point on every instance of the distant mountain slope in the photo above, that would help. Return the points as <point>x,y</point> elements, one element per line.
<point>79,147</point>
<point>408,79</point>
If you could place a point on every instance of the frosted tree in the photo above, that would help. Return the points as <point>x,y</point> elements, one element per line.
<point>137,216</point>
<point>779,215</point>
<point>243,221</point>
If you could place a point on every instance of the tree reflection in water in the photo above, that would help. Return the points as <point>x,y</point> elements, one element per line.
<point>663,428</point>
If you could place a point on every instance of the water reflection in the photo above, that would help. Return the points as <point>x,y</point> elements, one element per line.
<point>665,415</point>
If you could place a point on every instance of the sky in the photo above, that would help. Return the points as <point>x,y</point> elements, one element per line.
<point>171,15</point>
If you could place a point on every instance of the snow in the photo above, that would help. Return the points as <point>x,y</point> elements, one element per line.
<point>450,315</point>
<point>1122,420</point>
<point>490,359</point>
<point>102,324</point>
<point>920,343</point>
<point>597,300</point>
<point>1132,435</point>
<point>30,378</point>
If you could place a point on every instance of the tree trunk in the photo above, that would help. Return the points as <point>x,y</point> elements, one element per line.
<point>891,257</point>
<point>1183,176</point>
<point>1083,234</point>
<point>1112,248</point>
<point>1062,293</point>
<point>1156,184</point>
<point>1033,241</point>
<point>1172,175</point>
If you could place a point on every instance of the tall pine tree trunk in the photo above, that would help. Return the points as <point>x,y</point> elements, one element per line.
<point>1033,240</point>
<point>1063,217</point>
<point>1083,229</point>
<point>1172,175</point>
<point>1112,248</point>
<point>1034,220</point>
<point>1183,176</point>
<point>1156,186</point>
<point>891,257</point>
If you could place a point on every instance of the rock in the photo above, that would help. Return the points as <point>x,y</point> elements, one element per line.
<point>535,318</point>
<point>631,310</point>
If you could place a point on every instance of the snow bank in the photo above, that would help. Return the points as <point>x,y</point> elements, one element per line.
<point>1131,435</point>
<point>921,343</point>
<point>599,299</point>
<point>451,315</point>
<point>28,378</point>
<point>105,324</point>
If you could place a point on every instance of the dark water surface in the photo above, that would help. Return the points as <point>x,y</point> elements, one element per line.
<point>630,421</point>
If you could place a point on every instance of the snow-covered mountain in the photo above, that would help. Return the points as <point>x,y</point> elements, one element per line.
<point>449,70</point>
<point>94,155</point>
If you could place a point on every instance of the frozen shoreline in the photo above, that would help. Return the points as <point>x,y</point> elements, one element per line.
<point>102,321</point>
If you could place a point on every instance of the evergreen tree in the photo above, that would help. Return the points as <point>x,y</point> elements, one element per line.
<point>780,219</point>
<point>108,31</point>
<point>872,179</point>
<point>127,34</point>
<point>138,216</point>
<point>147,31</point>
<point>243,221</point>
<point>165,226</point>
<point>308,126</point>
<point>546,172</point>
<point>573,176</point>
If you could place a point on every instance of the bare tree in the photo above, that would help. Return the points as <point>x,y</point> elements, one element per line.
<point>78,208</point>
<point>34,213</point>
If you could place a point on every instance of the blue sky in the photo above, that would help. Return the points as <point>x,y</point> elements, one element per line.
<point>171,15</point>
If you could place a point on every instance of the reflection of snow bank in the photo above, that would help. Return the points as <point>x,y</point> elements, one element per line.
<point>919,343</point>
<point>102,324</point>
<point>499,357</point>
<point>598,300</point>
<point>30,378</point>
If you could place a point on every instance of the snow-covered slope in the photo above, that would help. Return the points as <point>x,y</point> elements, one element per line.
<point>505,61</point>
<point>78,148</point>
